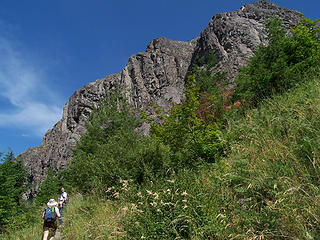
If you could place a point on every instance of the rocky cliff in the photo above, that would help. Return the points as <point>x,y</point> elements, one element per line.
<point>157,76</point>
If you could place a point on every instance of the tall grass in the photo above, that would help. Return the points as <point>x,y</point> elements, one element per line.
<point>267,187</point>
<point>272,172</point>
<point>92,218</point>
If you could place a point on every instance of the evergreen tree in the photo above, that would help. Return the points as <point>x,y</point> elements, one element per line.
<point>13,178</point>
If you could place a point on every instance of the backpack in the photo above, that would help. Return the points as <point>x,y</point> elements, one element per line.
<point>50,215</point>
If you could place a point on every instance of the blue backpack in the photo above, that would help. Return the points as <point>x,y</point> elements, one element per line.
<point>50,215</point>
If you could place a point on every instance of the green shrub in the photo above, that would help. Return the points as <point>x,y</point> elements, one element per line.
<point>286,61</point>
<point>50,187</point>
<point>203,70</point>
<point>191,136</point>
<point>13,178</point>
<point>112,149</point>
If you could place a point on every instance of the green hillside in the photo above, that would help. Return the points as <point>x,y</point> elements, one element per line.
<point>222,165</point>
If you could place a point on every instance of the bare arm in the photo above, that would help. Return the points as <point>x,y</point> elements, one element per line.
<point>57,212</point>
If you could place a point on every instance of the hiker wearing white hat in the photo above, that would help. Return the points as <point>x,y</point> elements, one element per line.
<point>49,216</point>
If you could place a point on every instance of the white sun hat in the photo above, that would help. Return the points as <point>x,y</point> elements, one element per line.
<point>52,203</point>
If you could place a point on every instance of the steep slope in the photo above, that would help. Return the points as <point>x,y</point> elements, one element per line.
<point>156,76</point>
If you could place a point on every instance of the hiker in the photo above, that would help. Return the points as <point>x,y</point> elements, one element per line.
<point>62,201</point>
<point>49,216</point>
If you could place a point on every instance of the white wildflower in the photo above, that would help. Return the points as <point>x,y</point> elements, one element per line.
<point>156,196</point>
<point>133,206</point>
<point>184,193</point>
<point>153,204</point>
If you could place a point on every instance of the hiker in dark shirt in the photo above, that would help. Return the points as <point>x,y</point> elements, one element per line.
<point>49,216</point>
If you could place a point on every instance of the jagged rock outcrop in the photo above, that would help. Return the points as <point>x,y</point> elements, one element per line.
<point>157,76</point>
<point>235,35</point>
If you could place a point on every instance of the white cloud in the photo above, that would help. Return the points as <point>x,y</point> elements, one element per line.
<point>33,106</point>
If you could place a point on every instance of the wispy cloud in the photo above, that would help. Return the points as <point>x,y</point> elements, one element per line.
<point>33,106</point>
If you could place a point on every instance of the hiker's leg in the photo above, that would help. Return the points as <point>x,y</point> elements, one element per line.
<point>60,218</point>
<point>45,235</point>
<point>52,230</point>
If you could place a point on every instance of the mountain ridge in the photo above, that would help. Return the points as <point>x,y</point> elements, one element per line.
<point>156,76</point>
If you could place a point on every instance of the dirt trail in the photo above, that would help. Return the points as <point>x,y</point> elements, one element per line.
<point>58,235</point>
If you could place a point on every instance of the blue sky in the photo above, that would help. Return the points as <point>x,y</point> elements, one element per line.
<point>49,49</point>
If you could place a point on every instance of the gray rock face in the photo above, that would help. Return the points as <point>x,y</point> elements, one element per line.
<point>235,35</point>
<point>156,76</point>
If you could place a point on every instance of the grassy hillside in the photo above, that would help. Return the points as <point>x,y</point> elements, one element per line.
<point>267,187</point>
<point>241,165</point>
<point>271,175</point>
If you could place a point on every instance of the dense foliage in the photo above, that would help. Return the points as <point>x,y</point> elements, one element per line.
<point>193,137</point>
<point>192,128</point>
<point>112,149</point>
<point>286,61</point>
<point>51,186</point>
<point>12,184</point>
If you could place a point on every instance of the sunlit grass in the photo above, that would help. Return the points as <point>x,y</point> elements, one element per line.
<point>92,218</point>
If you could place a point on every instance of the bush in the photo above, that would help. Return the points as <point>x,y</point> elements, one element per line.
<point>192,135</point>
<point>112,149</point>
<point>51,186</point>
<point>286,61</point>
